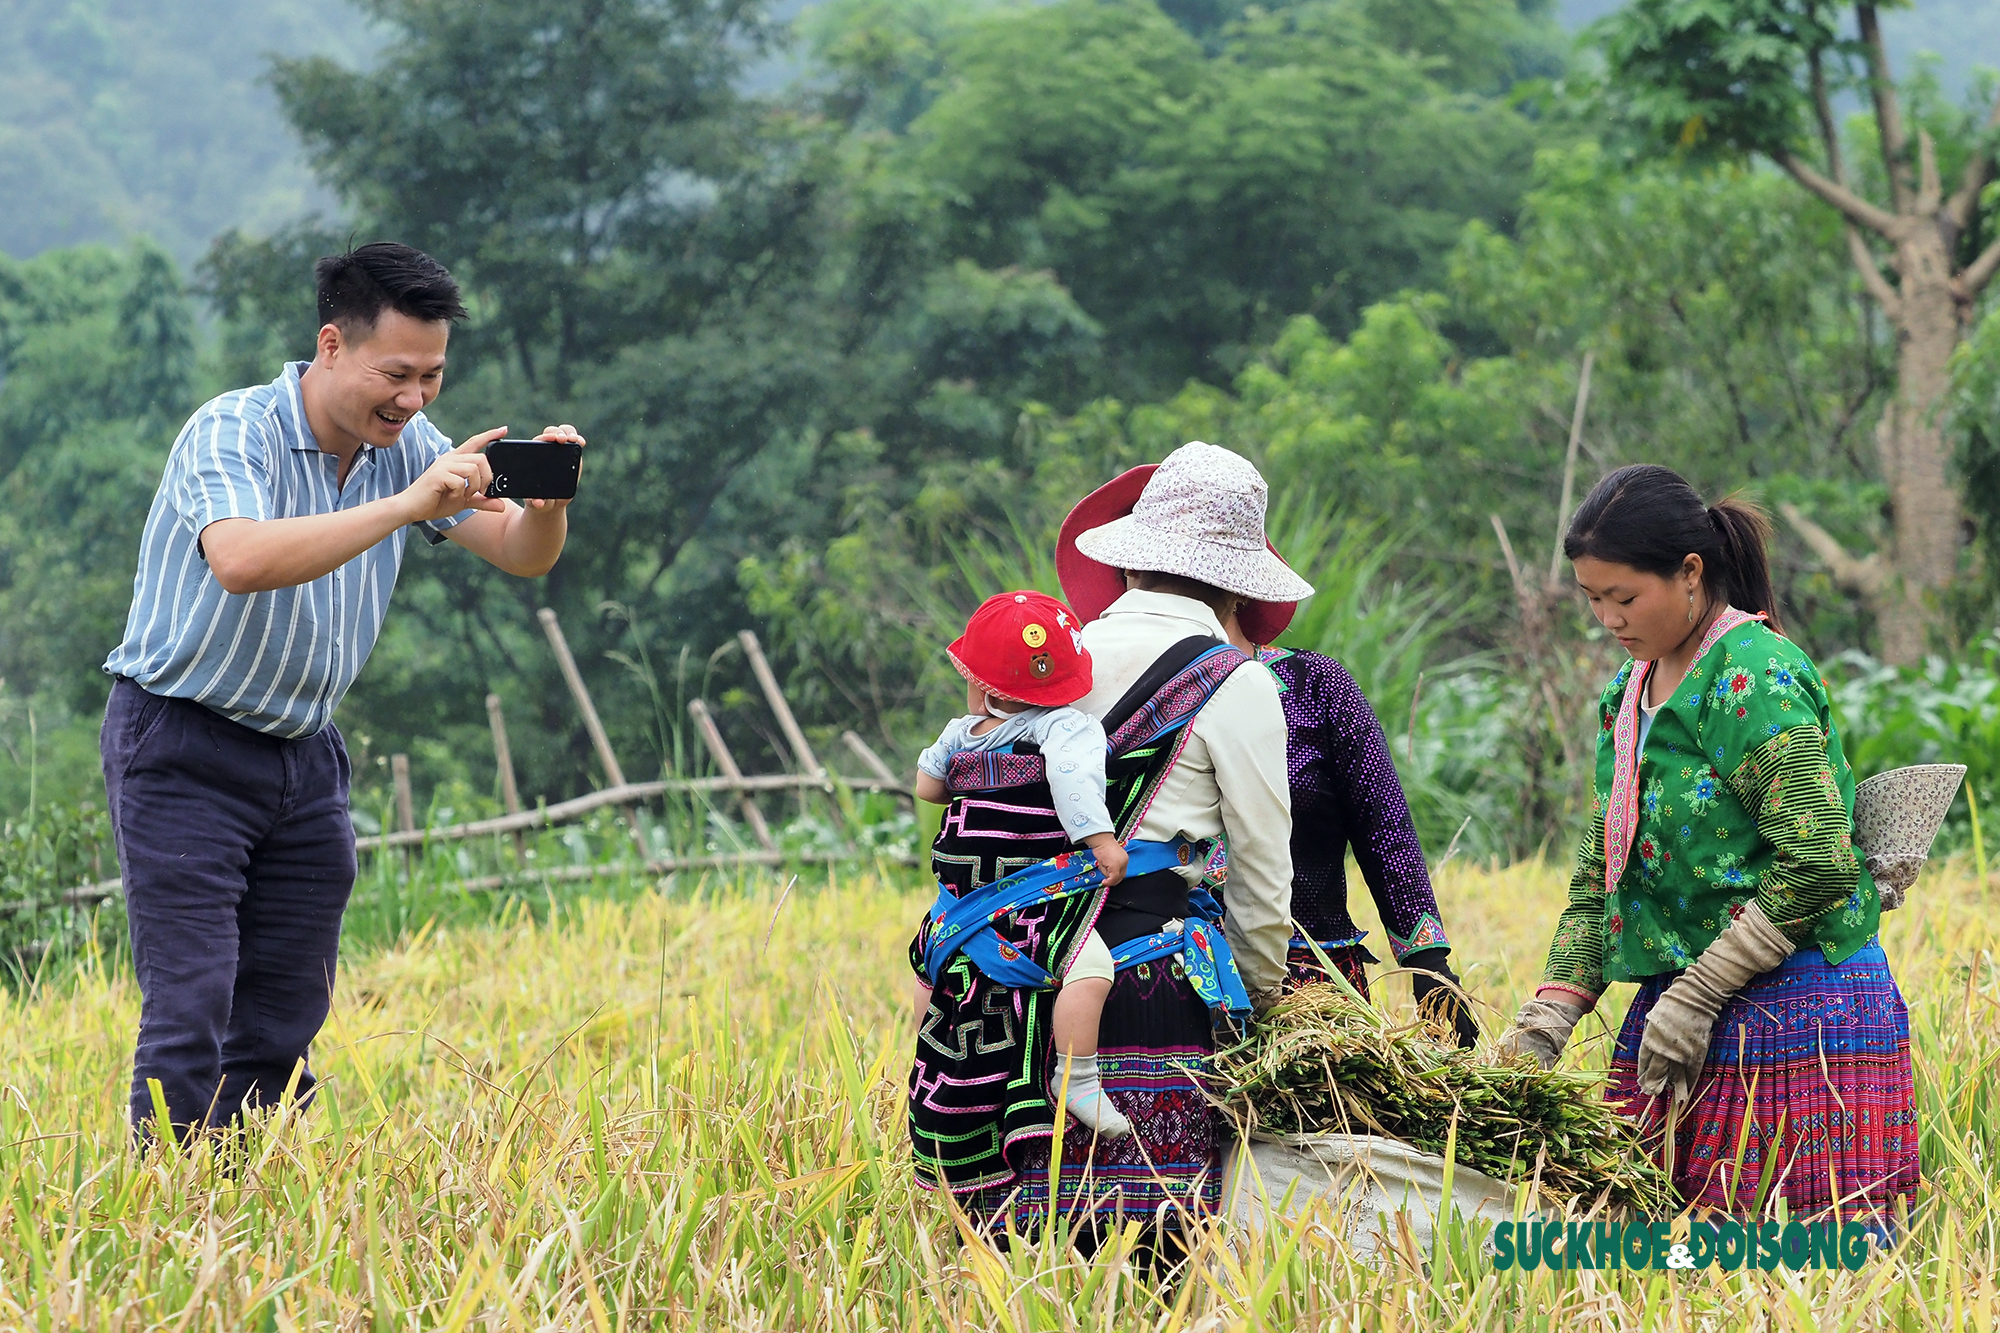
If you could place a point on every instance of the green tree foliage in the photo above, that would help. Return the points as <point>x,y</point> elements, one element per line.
<point>1730,343</point>
<point>811,325</point>
<point>626,232</point>
<point>1727,342</point>
<point>558,156</point>
<point>847,354</point>
<point>97,368</point>
<point>98,350</point>
<point>1975,415</point>
<point>1702,79</point>
<point>1724,76</point>
<point>1310,158</point>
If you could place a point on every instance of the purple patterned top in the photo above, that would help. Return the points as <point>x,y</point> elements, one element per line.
<point>1344,788</point>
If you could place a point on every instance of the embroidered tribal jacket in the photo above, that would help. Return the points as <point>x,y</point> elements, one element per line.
<point>1345,792</point>
<point>1741,792</point>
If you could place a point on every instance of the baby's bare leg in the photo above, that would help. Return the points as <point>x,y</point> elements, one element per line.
<point>923,1002</point>
<point>1078,1009</point>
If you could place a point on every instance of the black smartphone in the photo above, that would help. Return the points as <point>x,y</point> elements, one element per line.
<point>534,469</point>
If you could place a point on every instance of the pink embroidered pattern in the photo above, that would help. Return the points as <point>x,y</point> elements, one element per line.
<point>1177,700</point>
<point>1621,812</point>
<point>988,770</point>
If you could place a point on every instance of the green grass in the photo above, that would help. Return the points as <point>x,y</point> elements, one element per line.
<point>630,1112</point>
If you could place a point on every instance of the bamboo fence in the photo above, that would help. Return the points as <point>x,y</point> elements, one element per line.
<point>812,777</point>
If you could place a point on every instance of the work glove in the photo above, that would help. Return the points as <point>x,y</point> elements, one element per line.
<point>1675,1046</point>
<point>1541,1029</point>
<point>1438,997</point>
<point>1893,875</point>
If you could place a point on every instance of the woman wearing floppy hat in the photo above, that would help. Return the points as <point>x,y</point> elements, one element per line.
<point>1197,755</point>
<point>1018,956</point>
<point>1343,787</point>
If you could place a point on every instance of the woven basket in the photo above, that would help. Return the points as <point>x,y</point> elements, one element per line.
<point>1897,816</point>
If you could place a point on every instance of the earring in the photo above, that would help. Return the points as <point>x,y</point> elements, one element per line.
<point>1690,606</point>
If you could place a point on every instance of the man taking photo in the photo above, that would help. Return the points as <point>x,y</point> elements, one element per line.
<point>265,570</point>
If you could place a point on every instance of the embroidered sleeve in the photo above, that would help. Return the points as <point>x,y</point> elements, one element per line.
<point>1787,785</point>
<point>1377,817</point>
<point>1576,954</point>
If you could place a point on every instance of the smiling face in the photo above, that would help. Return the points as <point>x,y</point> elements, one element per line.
<point>376,379</point>
<point>1648,613</point>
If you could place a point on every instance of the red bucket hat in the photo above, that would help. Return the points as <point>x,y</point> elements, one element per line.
<point>1025,646</point>
<point>1092,585</point>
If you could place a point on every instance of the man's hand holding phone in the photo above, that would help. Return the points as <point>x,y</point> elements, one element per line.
<point>460,479</point>
<point>456,481</point>
<point>563,434</point>
<point>524,538</point>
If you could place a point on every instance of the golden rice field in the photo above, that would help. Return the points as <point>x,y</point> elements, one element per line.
<point>648,1114</point>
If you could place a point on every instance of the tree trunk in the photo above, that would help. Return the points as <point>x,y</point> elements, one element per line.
<point>1915,457</point>
<point>1902,582</point>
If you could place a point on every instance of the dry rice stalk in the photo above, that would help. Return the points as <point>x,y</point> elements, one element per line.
<point>1324,1061</point>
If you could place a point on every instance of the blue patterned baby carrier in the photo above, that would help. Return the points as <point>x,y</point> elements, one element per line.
<point>1016,903</point>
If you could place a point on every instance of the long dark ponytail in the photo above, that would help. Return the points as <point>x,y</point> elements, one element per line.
<point>1647,517</point>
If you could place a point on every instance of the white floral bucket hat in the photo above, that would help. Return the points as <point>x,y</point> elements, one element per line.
<point>1200,517</point>
<point>1897,816</point>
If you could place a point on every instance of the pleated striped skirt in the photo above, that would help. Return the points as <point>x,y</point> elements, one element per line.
<point>1807,1095</point>
<point>1156,1037</point>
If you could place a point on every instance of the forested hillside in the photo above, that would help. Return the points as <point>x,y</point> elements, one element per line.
<point>136,118</point>
<point>122,118</point>
<point>129,119</point>
<point>846,351</point>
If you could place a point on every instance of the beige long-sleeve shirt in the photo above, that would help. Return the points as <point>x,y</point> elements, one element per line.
<point>1230,778</point>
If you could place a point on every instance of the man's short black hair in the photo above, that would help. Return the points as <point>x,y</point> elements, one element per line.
<point>355,288</point>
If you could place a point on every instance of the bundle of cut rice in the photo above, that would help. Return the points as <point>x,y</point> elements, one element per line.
<point>1324,1061</point>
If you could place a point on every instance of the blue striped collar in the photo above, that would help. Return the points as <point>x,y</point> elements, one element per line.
<point>298,434</point>
<point>299,437</point>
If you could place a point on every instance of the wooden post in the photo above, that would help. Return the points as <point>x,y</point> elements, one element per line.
<point>406,809</point>
<point>406,813</point>
<point>598,740</point>
<point>712,736</point>
<point>787,723</point>
<point>866,754</point>
<point>1569,473</point>
<point>776,698</point>
<point>510,793</point>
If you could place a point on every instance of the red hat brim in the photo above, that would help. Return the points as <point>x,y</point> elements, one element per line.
<point>1054,694</point>
<point>1090,585</point>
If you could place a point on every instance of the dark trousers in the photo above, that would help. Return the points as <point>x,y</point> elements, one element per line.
<point>238,858</point>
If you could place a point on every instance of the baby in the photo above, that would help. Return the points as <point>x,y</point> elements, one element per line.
<point>1024,663</point>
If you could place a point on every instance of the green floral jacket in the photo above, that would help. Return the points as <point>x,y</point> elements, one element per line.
<point>1740,792</point>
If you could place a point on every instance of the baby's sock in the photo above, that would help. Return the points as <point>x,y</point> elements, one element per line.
<point>1085,1096</point>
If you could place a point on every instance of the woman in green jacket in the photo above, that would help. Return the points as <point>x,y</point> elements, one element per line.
<point>1719,873</point>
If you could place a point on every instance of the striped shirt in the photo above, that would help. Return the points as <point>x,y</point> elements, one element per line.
<point>278,661</point>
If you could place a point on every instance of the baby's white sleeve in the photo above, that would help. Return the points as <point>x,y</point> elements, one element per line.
<point>937,758</point>
<point>1073,748</point>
